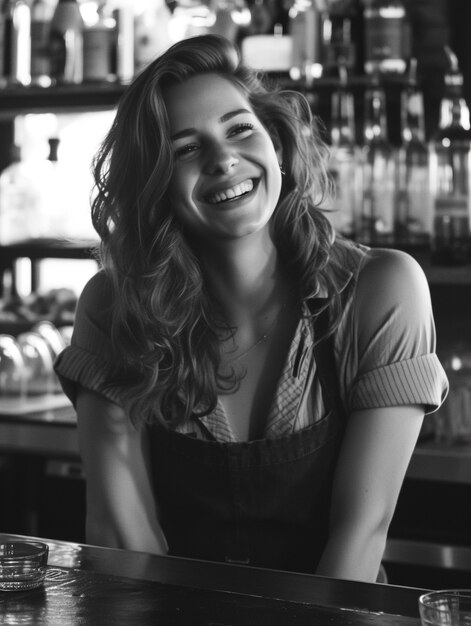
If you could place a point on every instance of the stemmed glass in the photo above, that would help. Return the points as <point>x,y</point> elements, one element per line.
<point>38,361</point>
<point>51,335</point>
<point>12,367</point>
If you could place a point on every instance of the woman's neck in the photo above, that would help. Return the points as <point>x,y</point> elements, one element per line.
<point>246,278</point>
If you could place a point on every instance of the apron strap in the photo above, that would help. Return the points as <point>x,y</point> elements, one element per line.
<point>201,425</point>
<point>324,355</point>
<point>325,362</point>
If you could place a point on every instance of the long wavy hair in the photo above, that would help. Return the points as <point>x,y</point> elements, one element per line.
<point>165,325</point>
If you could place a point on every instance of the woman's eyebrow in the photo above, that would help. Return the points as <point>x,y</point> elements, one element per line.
<point>224,118</point>
<point>231,114</point>
<point>183,133</point>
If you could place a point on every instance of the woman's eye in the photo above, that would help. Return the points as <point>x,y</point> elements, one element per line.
<point>241,129</point>
<point>185,151</point>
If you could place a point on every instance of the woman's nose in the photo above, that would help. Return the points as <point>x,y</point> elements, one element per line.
<point>221,160</point>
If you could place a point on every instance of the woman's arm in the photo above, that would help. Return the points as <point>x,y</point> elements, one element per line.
<point>374,456</point>
<point>121,511</point>
<point>393,386</point>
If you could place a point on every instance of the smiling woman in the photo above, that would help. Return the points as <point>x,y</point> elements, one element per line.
<point>226,180</point>
<point>248,387</point>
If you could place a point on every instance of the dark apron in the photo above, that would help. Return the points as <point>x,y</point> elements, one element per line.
<point>264,502</point>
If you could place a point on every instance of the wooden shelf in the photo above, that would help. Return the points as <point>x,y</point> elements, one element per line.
<point>53,248</point>
<point>442,274</point>
<point>47,249</point>
<point>105,96</point>
<point>15,100</point>
<point>437,275</point>
<point>37,249</point>
<point>85,97</point>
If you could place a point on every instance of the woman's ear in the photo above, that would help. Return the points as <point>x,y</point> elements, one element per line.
<point>279,156</point>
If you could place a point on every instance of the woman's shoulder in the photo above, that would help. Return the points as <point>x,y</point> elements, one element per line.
<point>385,268</point>
<point>93,316</point>
<point>372,266</point>
<point>380,281</point>
<point>96,297</point>
<point>391,283</point>
<point>98,284</point>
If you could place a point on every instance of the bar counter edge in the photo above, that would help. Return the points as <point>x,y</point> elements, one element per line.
<point>232,578</point>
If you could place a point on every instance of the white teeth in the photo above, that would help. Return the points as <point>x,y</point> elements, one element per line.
<point>232,192</point>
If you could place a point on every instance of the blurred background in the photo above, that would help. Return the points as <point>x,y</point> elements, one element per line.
<point>390,83</point>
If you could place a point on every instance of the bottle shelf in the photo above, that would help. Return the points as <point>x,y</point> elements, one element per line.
<point>15,100</point>
<point>37,249</point>
<point>33,99</point>
<point>441,274</point>
<point>447,275</point>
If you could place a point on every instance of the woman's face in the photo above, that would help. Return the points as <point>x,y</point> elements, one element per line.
<point>226,181</point>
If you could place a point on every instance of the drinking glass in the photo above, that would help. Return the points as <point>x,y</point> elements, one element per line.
<point>449,607</point>
<point>51,335</point>
<point>12,367</point>
<point>22,564</point>
<point>66,333</point>
<point>40,376</point>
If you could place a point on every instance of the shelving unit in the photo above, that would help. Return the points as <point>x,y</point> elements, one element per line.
<point>16,101</point>
<point>440,274</point>
<point>431,463</point>
<point>85,97</point>
<point>105,96</point>
<point>38,249</point>
<point>58,99</point>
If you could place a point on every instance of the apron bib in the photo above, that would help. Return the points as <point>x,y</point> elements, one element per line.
<point>264,502</point>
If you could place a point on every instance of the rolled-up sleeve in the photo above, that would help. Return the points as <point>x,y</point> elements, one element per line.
<point>392,359</point>
<point>88,361</point>
<point>420,380</point>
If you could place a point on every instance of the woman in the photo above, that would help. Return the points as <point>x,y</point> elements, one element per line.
<point>248,387</point>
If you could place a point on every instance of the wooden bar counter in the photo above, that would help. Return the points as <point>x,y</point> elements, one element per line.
<point>91,586</point>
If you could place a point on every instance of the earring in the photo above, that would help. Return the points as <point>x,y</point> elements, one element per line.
<point>281,169</point>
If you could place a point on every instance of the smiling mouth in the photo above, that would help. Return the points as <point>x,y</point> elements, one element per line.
<point>232,193</point>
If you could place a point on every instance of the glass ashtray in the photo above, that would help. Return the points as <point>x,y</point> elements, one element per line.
<point>22,565</point>
<point>448,607</point>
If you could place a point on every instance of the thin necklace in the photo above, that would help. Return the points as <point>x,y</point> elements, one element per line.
<point>259,341</point>
<point>265,336</point>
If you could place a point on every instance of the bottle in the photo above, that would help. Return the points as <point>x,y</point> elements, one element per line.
<point>376,224</point>
<point>453,420</point>
<point>450,156</point>
<point>98,47</point>
<point>18,200</point>
<point>152,28</point>
<point>339,35</point>
<point>53,194</point>
<point>305,29</point>
<point>414,202</point>
<point>17,42</point>
<point>2,46</point>
<point>123,52</point>
<point>233,15</point>
<point>343,167</point>
<point>41,17</point>
<point>66,43</point>
<point>386,36</point>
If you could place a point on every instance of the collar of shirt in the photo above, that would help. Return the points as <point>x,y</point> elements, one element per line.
<point>289,397</point>
<point>297,401</point>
